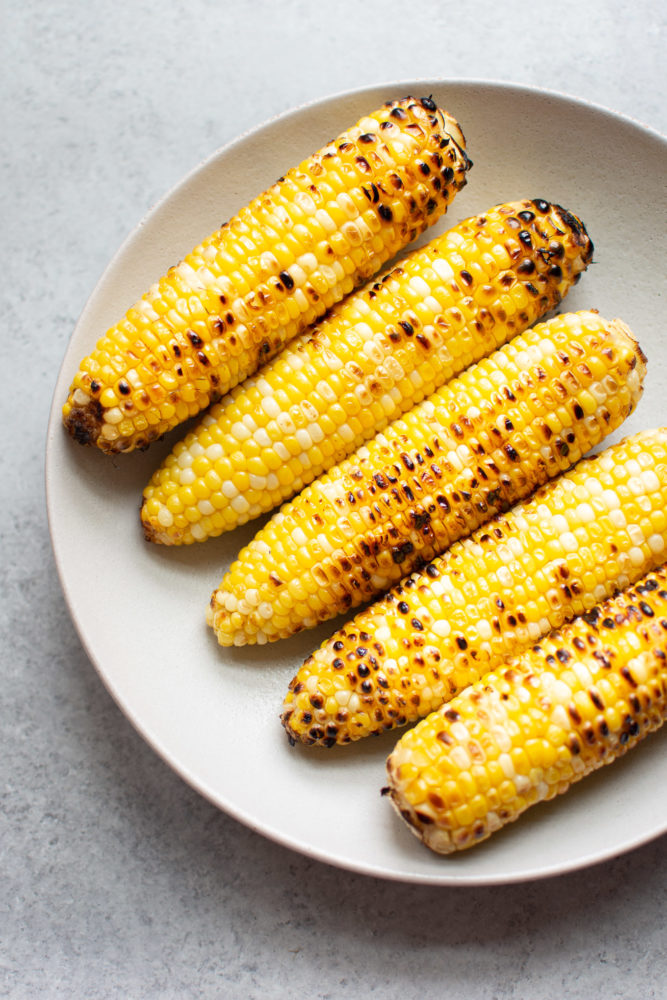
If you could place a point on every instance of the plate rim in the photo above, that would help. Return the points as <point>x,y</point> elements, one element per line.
<point>184,771</point>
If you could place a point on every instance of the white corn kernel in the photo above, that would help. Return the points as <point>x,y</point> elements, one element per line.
<point>270,407</point>
<point>165,517</point>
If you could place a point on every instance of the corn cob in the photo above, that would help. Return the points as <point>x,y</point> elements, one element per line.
<point>581,538</point>
<point>379,353</point>
<point>530,729</point>
<point>475,447</point>
<point>268,273</point>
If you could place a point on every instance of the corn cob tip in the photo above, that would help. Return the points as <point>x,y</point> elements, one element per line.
<point>453,129</point>
<point>576,227</point>
<point>450,124</point>
<point>622,330</point>
<point>82,425</point>
<point>84,420</point>
<point>151,528</point>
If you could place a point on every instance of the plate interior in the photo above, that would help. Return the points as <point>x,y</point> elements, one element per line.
<point>212,714</point>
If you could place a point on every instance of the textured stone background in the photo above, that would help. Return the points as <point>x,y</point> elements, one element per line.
<point>118,880</point>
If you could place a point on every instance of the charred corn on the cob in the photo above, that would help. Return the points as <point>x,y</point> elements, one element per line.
<point>269,272</point>
<point>531,728</point>
<point>379,353</point>
<point>581,538</point>
<point>475,447</point>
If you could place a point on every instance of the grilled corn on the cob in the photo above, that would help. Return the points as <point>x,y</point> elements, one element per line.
<point>379,353</point>
<point>531,728</point>
<point>475,447</point>
<point>581,538</point>
<point>269,272</point>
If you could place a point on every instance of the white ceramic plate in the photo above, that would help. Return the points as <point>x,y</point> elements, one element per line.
<point>139,609</point>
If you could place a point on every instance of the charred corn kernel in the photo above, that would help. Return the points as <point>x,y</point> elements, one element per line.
<point>490,596</point>
<point>538,723</point>
<point>473,448</point>
<point>269,272</point>
<point>379,353</point>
